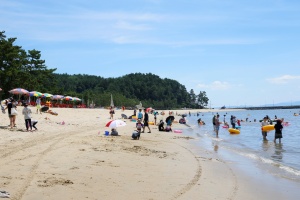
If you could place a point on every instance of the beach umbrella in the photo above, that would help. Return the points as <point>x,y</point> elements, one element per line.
<point>115,123</point>
<point>19,91</point>
<point>47,95</point>
<point>76,99</point>
<point>148,109</point>
<point>35,94</point>
<point>57,97</point>
<point>68,98</point>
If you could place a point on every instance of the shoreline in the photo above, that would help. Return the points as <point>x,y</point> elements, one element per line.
<point>76,161</point>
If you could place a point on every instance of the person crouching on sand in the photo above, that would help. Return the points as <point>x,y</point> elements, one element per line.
<point>33,123</point>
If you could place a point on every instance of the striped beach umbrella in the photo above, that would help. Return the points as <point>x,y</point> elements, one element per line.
<point>35,94</point>
<point>68,98</point>
<point>47,95</point>
<point>18,91</point>
<point>57,97</point>
<point>76,99</point>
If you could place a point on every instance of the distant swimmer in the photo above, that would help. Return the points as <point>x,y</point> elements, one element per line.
<point>200,122</point>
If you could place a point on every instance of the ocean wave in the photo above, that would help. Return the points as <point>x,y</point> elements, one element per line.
<point>270,162</point>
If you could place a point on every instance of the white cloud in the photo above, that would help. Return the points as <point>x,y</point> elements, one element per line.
<point>283,79</point>
<point>216,85</point>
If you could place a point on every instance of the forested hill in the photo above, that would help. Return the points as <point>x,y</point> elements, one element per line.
<point>25,69</point>
<point>127,90</point>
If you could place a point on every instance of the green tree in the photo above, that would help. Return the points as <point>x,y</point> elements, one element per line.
<point>202,99</point>
<point>192,98</point>
<point>21,69</point>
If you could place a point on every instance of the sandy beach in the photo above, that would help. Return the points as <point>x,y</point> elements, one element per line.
<point>69,157</point>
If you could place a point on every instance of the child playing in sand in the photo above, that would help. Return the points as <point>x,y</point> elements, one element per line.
<point>33,123</point>
<point>114,132</point>
<point>139,126</point>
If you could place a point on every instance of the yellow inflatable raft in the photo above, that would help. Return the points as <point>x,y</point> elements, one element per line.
<point>234,131</point>
<point>268,128</point>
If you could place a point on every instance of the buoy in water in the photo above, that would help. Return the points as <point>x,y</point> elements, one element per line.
<point>233,131</point>
<point>267,128</point>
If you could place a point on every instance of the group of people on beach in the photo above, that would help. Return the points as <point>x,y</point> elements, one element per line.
<point>140,127</point>
<point>144,117</point>
<point>11,106</point>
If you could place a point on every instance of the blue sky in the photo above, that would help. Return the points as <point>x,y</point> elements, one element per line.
<point>241,52</point>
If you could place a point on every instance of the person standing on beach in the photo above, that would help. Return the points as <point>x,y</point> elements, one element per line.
<point>155,114</point>
<point>9,106</point>
<point>217,124</point>
<point>146,120</point>
<point>140,115</point>
<point>264,133</point>
<point>38,105</point>
<point>278,131</point>
<point>111,112</point>
<point>27,116</point>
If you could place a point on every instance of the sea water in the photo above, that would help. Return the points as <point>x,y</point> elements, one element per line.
<point>280,159</point>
